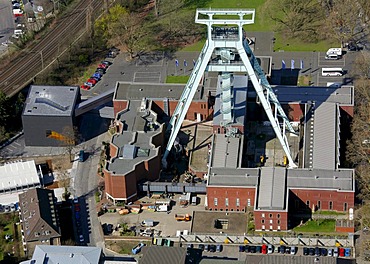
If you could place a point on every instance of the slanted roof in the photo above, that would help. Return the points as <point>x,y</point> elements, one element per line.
<point>163,255</point>
<point>66,254</point>
<point>135,145</point>
<point>38,214</point>
<point>136,91</point>
<point>325,136</point>
<point>226,151</point>
<point>272,189</point>
<point>51,100</point>
<point>239,104</point>
<point>20,175</point>
<point>241,177</point>
<point>288,259</point>
<point>321,179</point>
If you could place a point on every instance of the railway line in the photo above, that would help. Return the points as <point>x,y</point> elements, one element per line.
<point>21,71</point>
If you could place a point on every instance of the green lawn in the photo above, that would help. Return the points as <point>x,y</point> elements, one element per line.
<point>177,79</point>
<point>262,23</point>
<point>329,213</point>
<point>317,226</point>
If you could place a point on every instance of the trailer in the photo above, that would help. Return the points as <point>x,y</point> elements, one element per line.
<point>185,217</point>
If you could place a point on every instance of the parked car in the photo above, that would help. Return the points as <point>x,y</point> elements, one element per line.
<point>252,249</point>
<point>282,249</point>
<point>107,62</point>
<point>293,250</point>
<point>341,252</point>
<point>91,80</point>
<point>305,251</point>
<point>12,207</point>
<point>241,248</point>
<point>258,249</point>
<point>311,251</point>
<point>219,248</point>
<point>103,66</point>
<point>212,248</point>
<point>81,237</point>
<point>100,70</point>
<point>352,46</point>
<point>95,78</point>
<point>137,248</point>
<point>287,250</point>
<point>330,252</point>
<point>6,208</point>
<point>336,252</point>
<point>190,246</point>
<point>270,249</point>
<point>88,84</point>
<point>347,252</point>
<point>77,215</point>
<point>206,247</point>
<point>317,251</point>
<point>324,252</point>
<point>201,247</point>
<point>246,248</point>
<point>264,249</point>
<point>85,87</point>
<point>97,75</point>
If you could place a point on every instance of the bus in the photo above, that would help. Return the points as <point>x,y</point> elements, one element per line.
<point>331,71</point>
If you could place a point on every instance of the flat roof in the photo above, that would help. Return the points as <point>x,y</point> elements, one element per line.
<point>241,177</point>
<point>66,254</point>
<point>272,189</point>
<point>342,95</point>
<point>163,255</point>
<point>51,100</point>
<point>342,179</point>
<point>226,151</point>
<point>21,174</point>
<point>325,136</point>
<point>159,91</point>
<point>239,105</point>
<point>135,141</point>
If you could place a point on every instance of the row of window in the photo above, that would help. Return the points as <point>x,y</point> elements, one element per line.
<point>215,202</point>
<point>330,205</point>
<point>271,221</point>
<point>270,215</point>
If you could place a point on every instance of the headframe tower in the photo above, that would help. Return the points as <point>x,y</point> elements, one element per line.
<point>225,37</point>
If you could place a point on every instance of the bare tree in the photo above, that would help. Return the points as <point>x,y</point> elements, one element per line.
<point>69,139</point>
<point>296,18</point>
<point>361,66</point>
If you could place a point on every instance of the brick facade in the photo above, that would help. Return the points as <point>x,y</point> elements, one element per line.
<point>327,200</point>
<point>230,195</point>
<point>271,220</point>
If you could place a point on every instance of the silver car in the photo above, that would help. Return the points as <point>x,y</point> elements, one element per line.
<point>336,252</point>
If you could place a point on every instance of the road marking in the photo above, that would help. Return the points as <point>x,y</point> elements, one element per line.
<point>147,76</point>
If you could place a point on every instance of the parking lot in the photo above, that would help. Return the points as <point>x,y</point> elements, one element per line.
<point>324,63</point>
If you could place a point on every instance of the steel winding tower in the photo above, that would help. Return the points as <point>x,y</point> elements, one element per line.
<point>226,41</point>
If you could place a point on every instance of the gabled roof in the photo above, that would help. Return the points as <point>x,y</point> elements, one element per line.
<point>38,215</point>
<point>44,254</point>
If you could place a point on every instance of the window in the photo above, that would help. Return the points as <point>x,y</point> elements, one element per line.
<point>278,221</point>
<point>226,201</point>
<point>278,228</point>
<point>215,201</point>
<point>278,215</point>
<point>270,221</point>
<point>237,202</point>
<point>345,207</point>
<point>263,221</point>
<point>263,215</point>
<point>270,228</point>
<point>318,204</point>
<point>308,203</point>
<point>263,227</point>
<point>330,205</point>
<point>270,215</point>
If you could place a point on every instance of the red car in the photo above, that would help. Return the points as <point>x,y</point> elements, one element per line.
<point>85,87</point>
<point>341,252</point>
<point>102,65</point>
<point>91,80</point>
<point>264,249</point>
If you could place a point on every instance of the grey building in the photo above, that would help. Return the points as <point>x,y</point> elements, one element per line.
<point>48,116</point>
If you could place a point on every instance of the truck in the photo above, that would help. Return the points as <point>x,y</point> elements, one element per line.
<point>137,248</point>
<point>185,217</point>
<point>162,208</point>
<point>147,223</point>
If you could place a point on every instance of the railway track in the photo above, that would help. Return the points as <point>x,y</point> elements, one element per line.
<point>21,71</point>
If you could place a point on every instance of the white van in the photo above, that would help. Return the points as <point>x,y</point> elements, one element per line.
<point>332,56</point>
<point>332,72</point>
<point>337,51</point>
<point>18,32</point>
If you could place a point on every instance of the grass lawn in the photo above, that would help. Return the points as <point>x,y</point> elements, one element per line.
<point>177,79</point>
<point>317,226</point>
<point>123,246</point>
<point>329,213</point>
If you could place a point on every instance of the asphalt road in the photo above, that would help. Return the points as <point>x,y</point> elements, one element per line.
<point>6,22</point>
